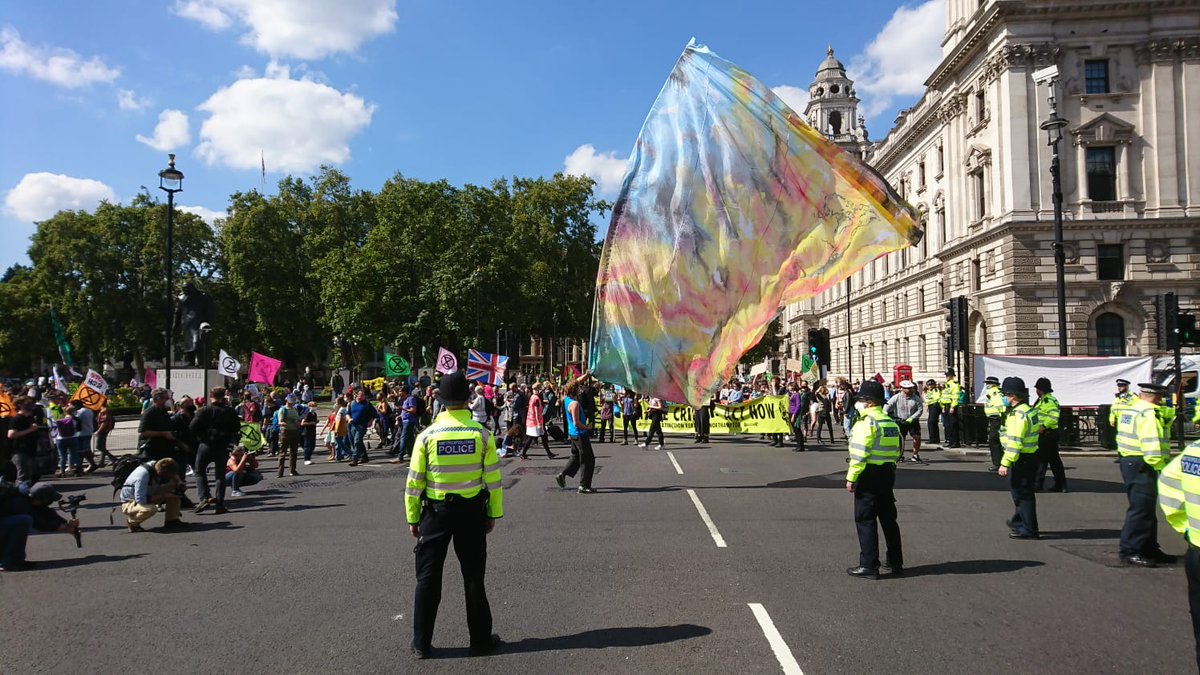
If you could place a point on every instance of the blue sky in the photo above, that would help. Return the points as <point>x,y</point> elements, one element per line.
<point>97,93</point>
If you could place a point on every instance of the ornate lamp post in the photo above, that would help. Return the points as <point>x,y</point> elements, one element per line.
<point>1053,128</point>
<point>170,180</point>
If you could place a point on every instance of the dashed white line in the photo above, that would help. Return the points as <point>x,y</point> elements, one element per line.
<point>782,653</point>
<point>712,528</point>
<point>671,456</point>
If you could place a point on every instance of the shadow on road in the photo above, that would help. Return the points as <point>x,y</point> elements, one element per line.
<point>937,479</point>
<point>969,567</point>
<point>663,488</point>
<point>293,507</point>
<point>197,526</point>
<point>603,638</point>
<point>86,560</point>
<point>1083,534</point>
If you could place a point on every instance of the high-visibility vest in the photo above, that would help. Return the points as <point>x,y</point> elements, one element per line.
<point>1048,411</point>
<point>1139,434</point>
<point>1020,434</point>
<point>453,456</point>
<point>1179,493</point>
<point>951,393</point>
<point>993,403</point>
<point>874,439</point>
<point>1119,403</point>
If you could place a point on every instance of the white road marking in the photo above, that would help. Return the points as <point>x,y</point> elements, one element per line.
<point>712,528</point>
<point>678,470</point>
<point>782,653</point>
<point>397,617</point>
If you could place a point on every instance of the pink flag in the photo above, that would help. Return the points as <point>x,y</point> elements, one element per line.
<point>150,378</point>
<point>263,368</point>
<point>447,362</point>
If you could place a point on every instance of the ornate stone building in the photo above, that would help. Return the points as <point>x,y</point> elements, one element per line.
<point>970,156</point>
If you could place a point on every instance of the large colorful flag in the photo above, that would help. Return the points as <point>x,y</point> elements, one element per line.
<point>484,367</point>
<point>227,365</point>
<point>6,405</point>
<point>64,347</point>
<point>90,398</point>
<point>810,371</point>
<point>447,362</point>
<point>395,365</point>
<point>731,208</point>
<point>263,368</point>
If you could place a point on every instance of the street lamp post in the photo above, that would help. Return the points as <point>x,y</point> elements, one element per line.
<point>1053,128</point>
<point>170,180</point>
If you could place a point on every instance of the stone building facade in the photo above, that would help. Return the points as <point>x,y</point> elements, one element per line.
<point>970,156</point>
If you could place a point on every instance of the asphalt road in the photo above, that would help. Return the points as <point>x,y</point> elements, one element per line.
<point>315,574</point>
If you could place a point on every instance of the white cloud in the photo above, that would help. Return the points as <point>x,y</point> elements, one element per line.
<point>170,132</point>
<point>795,97</point>
<point>297,125</point>
<point>208,13</point>
<point>62,67</point>
<point>303,29</point>
<point>901,57</point>
<point>127,100</point>
<point>40,195</point>
<point>206,214</point>
<point>606,169</point>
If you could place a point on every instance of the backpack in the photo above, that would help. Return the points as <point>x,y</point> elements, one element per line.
<point>122,469</point>
<point>65,426</point>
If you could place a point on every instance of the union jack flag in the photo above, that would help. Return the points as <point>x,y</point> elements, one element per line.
<point>485,367</point>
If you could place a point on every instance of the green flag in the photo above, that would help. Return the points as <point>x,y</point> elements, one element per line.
<point>64,347</point>
<point>396,366</point>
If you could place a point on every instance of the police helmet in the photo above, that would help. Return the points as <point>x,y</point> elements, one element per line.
<point>1015,386</point>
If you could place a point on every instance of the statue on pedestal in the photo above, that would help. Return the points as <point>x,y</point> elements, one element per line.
<point>194,315</point>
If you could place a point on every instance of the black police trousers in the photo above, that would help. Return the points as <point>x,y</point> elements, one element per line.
<point>994,446</point>
<point>462,521</point>
<point>875,502</point>
<point>1020,483</point>
<point>1048,457</point>
<point>1191,565</point>
<point>1139,536</point>
<point>935,415</point>
<point>216,455</point>
<point>950,421</point>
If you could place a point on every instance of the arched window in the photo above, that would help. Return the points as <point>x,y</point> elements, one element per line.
<point>1110,335</point>
<point>835,120</point>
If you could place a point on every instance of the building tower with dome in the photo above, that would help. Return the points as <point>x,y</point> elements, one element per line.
<point>833,107</point>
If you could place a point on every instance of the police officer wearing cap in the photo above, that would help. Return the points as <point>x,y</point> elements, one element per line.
<point>951,395</point>
<point>1020,440</point>
<point>1142,445</point>
<point>871,477</point>
<point>1122,400</point>
<point>453,493</point>
<point>993,408</point>
<point>1048,411</point>
<point>1179,499</point>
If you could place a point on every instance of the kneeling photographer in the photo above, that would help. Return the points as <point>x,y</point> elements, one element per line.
<point>20,513</point>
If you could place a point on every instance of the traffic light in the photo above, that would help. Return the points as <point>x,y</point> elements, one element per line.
<point>1166,318</point>
<point>1186,324</point>
<point>818,345</point>
<point>957,307</point>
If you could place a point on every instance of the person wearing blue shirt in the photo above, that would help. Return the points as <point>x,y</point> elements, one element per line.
<point>579,431</point>
<point>362,414</point>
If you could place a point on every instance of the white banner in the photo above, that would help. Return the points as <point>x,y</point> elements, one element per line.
<point>96,382</point>
<point>758,369</point>
<point>227,365</point>
<point>1077,380</point>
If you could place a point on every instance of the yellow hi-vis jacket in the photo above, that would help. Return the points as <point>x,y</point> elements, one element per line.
<point>1048,411</point>
<point>453,456</point>
<point>1179,493</point>
<point>1139,434</point>
<point>993,402</point>
<point>951,393</point>
<point>1020,435</point>
<point>874,439</point>
<point>1119,403</point>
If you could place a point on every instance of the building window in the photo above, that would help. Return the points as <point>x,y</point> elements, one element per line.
<point>920,301</point>
<point>1095,75</point>
<point>921,175</point>
<point>921,353</point>
<point>835,120</point>
<point>941,160</point>
<point>1110,262</point>
<point>941,218</point>
<point>980,106</point>
<point>1110,335</point>
<point>976,275</point>
<point>1102,174</point>
<point>979,191</point>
